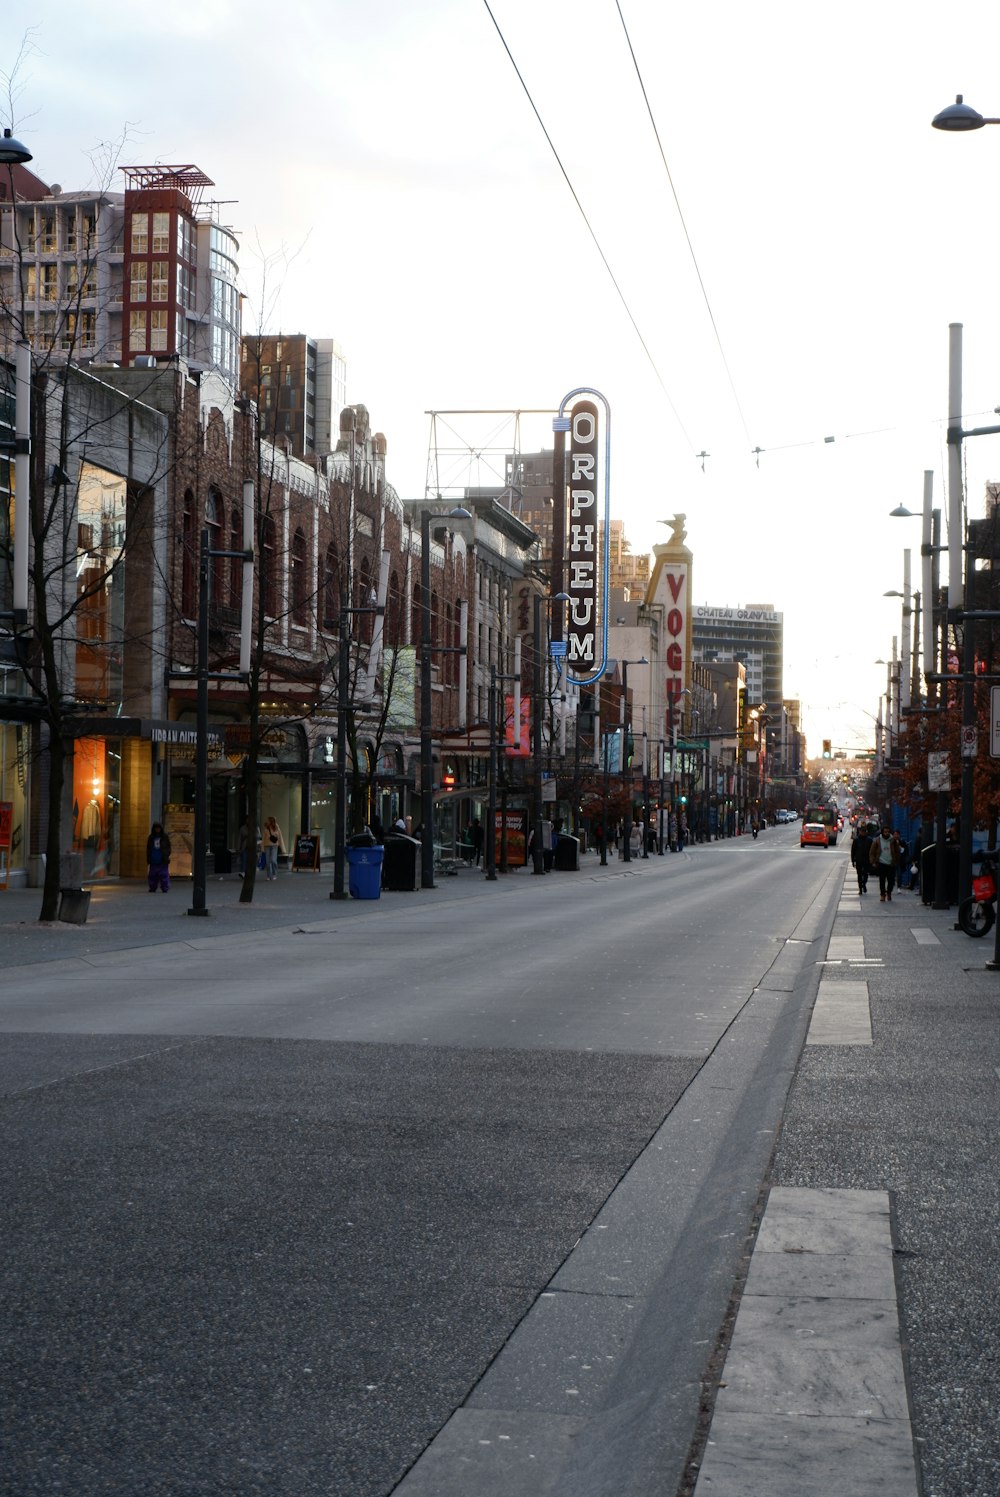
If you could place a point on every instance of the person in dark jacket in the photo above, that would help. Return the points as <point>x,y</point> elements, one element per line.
<point>860,853</point>
<point>158,859</point>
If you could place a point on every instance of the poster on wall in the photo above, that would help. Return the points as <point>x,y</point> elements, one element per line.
<point>178,823</point>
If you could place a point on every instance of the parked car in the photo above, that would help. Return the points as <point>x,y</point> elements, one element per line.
<point>814,834</point>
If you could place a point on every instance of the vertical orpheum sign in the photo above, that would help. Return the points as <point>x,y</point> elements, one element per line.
<point>584,513</point>
<point>582,549</point>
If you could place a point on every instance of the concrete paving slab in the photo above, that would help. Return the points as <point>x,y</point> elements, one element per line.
<point>846,948</point>
<point>840,1275</point>
<point>817,1322</point>
<point>841,1015</point>
<point>834,1382</point>
<point>924,936</point>
<point>825,1221</point>
<point>795,1457</point>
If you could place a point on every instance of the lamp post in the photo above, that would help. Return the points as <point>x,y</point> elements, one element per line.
<point>626,722</point>
<point>426,721</point>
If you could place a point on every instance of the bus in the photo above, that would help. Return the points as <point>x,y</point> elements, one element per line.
<point>827,816</point>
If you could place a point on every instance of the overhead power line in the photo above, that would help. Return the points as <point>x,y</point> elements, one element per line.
<point>687,236</point>
<point>590,230</point>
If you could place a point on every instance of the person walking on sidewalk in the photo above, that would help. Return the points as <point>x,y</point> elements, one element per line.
<point>884,858</point>
<point>861,847</point>
<point>272,845</point>
<point>158,859</point>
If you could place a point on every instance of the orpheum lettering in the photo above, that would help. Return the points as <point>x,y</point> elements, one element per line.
<point>583,550</point>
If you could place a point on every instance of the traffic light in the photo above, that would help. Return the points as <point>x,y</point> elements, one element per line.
<point>827,748</point>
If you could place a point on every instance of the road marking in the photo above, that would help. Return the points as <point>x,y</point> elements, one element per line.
<point>924,936</point>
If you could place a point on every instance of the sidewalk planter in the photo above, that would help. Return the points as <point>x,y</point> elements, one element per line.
<point>74,906</point>
<point>364,879</point>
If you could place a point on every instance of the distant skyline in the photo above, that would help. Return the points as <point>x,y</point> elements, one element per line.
<point>392,188</point>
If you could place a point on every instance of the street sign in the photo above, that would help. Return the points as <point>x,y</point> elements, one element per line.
<point>995,722</point>
<point>968,741</point>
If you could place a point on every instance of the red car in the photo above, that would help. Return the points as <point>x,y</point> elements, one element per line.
<point>813,834</point>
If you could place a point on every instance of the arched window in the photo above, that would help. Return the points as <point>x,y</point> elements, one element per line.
<point>215,525</point>
<point>299,578</point>
<point>329,599</point>
<point>189,558</point>
<point>268,567</point>
<point>449,662</point>
<point>235,565</point>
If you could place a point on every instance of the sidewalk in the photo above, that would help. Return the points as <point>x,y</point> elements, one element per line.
<point>872,1297</point>
<point>123,913</point>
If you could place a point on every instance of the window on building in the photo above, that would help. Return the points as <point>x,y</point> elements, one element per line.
<point>158,332</point>
<point>31,283</point>
<point>140,233</point>
<point>330,594</point>
<point>69,230</point>
<point>269,566</point>
<point>415,616</point>
<point>394,614</point>
<point>364,621</point>
<point>189,552</point>
<point>138,287</point>
<point>161,281</point>
<point>50,283</point>
<point>235,564</point>
<point>136,331</point>
<point>161,234</point>
<point>299,578</point>
<point>215,524</point>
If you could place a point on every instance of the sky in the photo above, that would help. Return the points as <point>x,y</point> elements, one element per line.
<point>734,222</point>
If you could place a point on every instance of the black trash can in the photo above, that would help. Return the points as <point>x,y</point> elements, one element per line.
<point>567,854</point>
<point>401,863</point>
<point>928,872</point>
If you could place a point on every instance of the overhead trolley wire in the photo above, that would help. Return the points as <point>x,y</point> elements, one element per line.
<point>687,236</point>
<point>590,230</point>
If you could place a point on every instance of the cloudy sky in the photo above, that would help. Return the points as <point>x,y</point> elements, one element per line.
<point>774,264</point>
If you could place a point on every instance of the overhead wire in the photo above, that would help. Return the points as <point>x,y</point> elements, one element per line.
<point>687,236</point>
<point>590,229</point>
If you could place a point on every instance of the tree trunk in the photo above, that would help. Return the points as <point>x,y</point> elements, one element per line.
<point>53,839</point>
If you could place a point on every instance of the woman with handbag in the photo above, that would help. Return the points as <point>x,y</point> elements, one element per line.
<point>273,843</point>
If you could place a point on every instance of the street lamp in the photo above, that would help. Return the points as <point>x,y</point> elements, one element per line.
<point>626,763</point>
<point>426,724</point>
<point>12,152</point>
<point>960,116</point>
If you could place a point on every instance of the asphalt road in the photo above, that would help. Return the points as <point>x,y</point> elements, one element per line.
<point>278,1202</point>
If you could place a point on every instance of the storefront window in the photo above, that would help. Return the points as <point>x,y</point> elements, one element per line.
<point>100,586</point>
<point>97,805</point>
<point>13,787</point>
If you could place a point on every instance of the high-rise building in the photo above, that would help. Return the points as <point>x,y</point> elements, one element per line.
<point>300,387</point>
<point>752,635</point>
<point>140,277</point>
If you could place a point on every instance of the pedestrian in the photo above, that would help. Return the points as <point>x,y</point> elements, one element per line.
<point>861,846</point>
<point>158,859</point>
<point>477,840</point>
<point>884,857</point>
<point>272,845</point>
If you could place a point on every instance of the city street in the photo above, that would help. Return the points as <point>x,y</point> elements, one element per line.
<point>279,1200</point>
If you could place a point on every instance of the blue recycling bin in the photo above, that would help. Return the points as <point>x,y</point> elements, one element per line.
<point>364,877</point>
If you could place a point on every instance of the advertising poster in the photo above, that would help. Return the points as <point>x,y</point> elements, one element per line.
<point>516,823</point>
<point>178,823</point>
